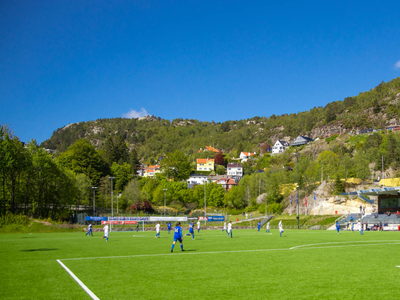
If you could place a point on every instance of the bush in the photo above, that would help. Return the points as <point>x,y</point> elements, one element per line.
<point>9,219</point>
<point>275,208</point>
<point>261,208</point>
<point>331,138</point>
<point>234,211</point>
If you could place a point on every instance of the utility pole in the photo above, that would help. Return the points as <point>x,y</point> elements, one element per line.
<point>298,211</point>
<point>94,189</point>
<point>165,190</point>
<point>205,204</point>
<point>112,200</point>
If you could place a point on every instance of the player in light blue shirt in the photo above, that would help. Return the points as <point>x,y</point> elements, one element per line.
<point>177,236</point>
<point>258,226</point>
<point>169,227</point>
<point>191,230</point>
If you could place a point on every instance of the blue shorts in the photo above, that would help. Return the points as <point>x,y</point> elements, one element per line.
<point>178,239</point>
<point>191,230</point>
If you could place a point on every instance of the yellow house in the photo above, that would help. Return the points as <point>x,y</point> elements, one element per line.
<point>205,164</point>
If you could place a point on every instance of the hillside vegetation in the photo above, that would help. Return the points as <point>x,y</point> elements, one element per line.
<point>43,185</point>
<point>151,136</point>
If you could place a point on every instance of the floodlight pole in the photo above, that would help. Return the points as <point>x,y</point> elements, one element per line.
<point>205,204</point>
<point>165,190</point>
<point>112,200</point>
<point>298,210</point>
<point>94,190</point>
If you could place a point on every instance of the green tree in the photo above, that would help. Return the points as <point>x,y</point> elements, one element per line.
<point>122,174</point>
<point>236,197</point>
<point>220,170</point>
<point>176,165</point>
<point>83,158</point>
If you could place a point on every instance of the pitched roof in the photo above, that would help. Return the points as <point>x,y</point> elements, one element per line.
<point>283,143</point>
<point>234,165</point>
<point>248,153</point>
<point>212,149</point>
<point>204,160</point>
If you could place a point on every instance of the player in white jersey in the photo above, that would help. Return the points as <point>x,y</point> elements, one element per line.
<point>360,227</point>
<point>105,228</point>
<point>224,227</point>
<point>229,228</point>
<point>157,230</point>
<point>280,228</point>
<point>198,226</point>
<point>267,227</point>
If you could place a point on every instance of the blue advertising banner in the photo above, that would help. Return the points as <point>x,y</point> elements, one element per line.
<point>95,218</point>
<point>215,218</point>
<point>128,219</point>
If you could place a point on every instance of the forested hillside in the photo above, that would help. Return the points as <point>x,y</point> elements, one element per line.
<point>153,136</point>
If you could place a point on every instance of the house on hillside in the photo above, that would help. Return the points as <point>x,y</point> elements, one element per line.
<point>235,170</point>
<point>152,170</point>
<point>205,164</point>
<point>280,146</point>
<point>244,156</point>
<point>209,148</point>
<point>227,183</point>
<point>301,140</point>
<point>140,171</point>
<point>265,148</point>
<point>196,179</point>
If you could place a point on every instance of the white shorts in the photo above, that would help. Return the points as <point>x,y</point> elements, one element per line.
<point>105,233</point>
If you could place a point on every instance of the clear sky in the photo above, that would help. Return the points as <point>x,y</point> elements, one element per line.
<point>63,62</point>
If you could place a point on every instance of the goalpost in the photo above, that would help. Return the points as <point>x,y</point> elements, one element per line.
<point>125,225</point>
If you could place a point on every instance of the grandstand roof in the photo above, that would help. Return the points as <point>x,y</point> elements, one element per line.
<point>380,191</point>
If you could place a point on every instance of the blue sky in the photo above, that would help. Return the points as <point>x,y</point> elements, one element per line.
<point>63,62</point>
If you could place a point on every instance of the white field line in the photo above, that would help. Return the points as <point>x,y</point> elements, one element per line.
<point>86,289</point>
<point>238,251</point>
<point>345,242</point>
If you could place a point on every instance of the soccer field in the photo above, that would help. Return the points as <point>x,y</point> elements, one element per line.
<point>299,265</point>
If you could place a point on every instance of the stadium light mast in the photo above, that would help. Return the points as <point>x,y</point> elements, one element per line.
<point>94,190</point>
<point>298,211</point>
<point>205,204</point>
<point>112,198</point>
<point>165,190</point>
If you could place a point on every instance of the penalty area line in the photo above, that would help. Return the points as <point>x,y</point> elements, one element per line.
<point>85,288</point>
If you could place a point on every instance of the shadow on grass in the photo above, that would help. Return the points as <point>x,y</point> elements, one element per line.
<point>187,250</point>
<point>40,249</point>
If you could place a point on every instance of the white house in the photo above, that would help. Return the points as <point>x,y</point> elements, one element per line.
<point>280,146</point>
<point>301,140</point>
<point>244,156</point>
<point>235,170</point>
<point>196,179</point>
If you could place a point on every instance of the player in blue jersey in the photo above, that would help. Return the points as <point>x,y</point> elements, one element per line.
<point>90,230</point>
<point>177,236</point>
<point>169,227</point>
<point>258,226</point>
<point>191,230</point>
<point>337,227</point>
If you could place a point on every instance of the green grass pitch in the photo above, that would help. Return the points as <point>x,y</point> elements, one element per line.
<point>300,265</point>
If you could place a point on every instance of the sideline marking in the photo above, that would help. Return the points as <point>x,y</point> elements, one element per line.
<point>344,242</point>
<point>90,293</point>
<point>243,251</point>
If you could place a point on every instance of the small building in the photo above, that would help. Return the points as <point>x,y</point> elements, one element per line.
<point>205,164</point>
<point>265,148</point>
<point>280,146</point>
<point>227,183</point>
<point>209,148</point>
<point>244,156</point>
<point>140,171</point>
<point>196,179</point>
<point>301,140</point>
<point>367,130</point>
<point>234,170</point>
<point>152,170</point>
